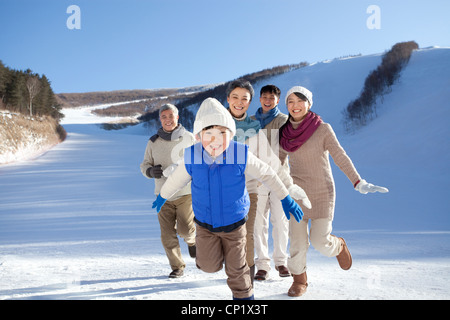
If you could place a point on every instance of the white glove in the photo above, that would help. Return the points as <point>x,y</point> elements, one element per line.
<point>364,187</point>
<point>299,194</point>
<point>169,170</point>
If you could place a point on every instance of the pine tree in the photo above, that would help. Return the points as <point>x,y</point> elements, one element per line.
<point>27,92</point>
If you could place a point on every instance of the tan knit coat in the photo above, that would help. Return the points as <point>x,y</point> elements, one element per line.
<point>311,170</point>
<point>166,153</point>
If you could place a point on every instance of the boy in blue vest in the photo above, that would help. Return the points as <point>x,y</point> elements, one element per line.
<point>216,168</point>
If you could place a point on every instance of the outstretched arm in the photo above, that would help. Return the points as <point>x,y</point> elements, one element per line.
<point>260,147</point>
<point>177,180</point>
<point>264,173</point>
<point>343,161</point>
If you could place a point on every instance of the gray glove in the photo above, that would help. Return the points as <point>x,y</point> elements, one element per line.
<point>155,172</point>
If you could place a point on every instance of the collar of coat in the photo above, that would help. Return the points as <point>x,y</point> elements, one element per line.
<point>169,136</point>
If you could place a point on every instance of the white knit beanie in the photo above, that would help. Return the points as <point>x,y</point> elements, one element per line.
<point>303,91</point>
<point>213,113</point>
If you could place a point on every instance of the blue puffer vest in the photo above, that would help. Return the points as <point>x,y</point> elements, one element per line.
<point>219,197</point>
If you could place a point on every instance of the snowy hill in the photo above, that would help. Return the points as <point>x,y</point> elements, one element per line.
<point>77,223</point>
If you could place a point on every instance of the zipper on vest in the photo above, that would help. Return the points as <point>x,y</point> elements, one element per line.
<point>220,196</point>
<point>210,196</point>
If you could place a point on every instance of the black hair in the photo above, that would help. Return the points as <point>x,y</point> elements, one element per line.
<point>270,88</point>
<point>301,96</point>
<point>244,84</point>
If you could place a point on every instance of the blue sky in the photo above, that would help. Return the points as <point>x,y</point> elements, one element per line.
<point>145,44</point>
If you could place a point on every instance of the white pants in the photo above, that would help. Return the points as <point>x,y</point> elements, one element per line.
<point>321,239</point>
<point>267,201</point>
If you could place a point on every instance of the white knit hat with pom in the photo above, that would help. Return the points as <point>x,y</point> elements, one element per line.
<point>213,113</point>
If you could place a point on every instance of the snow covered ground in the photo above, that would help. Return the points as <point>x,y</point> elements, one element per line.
<point>77,223</point>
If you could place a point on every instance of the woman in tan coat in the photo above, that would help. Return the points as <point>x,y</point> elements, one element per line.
<point>308,142</point>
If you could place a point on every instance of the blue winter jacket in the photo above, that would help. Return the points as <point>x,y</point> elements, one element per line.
<point>219,197</point>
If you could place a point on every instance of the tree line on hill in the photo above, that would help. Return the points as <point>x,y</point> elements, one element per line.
<point>125,103</point>
<point>378,83</point>
<point>141,106</point>
<point>72,100</point>
<point>187,116</point>
<point>148,102</point>
<point>26,92</point>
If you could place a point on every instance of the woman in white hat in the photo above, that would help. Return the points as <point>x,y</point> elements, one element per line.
<point>308,141</point>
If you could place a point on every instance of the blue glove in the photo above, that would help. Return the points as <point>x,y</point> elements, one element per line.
<point>290,206</point>
<point>158,203</point>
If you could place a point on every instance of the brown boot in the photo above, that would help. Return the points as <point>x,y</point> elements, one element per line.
<point>344,257</point>
<point>282,271</point>
<point>299,286</point>
<point>261,275</point>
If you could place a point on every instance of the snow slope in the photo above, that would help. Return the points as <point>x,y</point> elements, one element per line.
<point>77,223</point>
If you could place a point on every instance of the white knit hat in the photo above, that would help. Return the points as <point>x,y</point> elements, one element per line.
<point>303,91</point>
<point>213,113</point>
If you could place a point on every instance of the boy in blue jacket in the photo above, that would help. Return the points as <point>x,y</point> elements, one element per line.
<point>216,168</point>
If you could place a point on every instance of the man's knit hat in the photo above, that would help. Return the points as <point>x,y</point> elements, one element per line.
<point>303,91</point>
<point>213,113</point>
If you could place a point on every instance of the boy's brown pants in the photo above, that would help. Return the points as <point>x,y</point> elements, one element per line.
<point>215,248</point>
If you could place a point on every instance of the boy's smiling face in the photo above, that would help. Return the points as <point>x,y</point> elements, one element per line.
<point>215,140</point>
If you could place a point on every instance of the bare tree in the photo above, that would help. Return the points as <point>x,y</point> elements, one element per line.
<point>33,87</point>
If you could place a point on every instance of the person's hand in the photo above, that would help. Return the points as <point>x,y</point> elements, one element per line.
<point>158,203</point>
<point>291,207</point>
<point>364,187</point>
<point>298,193</point>
<point>169,170</point>
<point>155,172</point>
